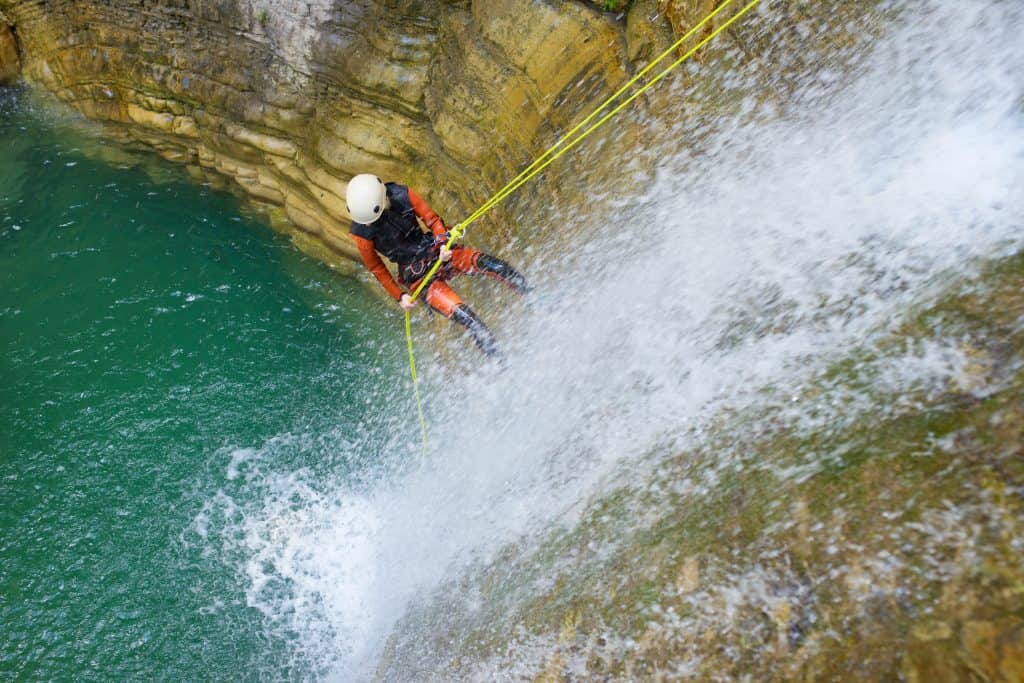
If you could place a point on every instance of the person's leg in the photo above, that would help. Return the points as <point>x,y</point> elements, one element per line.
<point>474,262</point>
<point>445,301</point>
<point>483,337</point>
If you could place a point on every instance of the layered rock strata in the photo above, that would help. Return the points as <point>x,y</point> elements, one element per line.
<point>284,100</point>
<point>288,99</point>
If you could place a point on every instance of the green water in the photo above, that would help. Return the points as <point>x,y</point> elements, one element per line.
<point>148,330</point>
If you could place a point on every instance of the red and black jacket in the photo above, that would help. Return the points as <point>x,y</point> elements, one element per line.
<point>397,235</point>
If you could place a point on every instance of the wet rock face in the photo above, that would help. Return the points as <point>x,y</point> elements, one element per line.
<point>284,100</point>
<point>900,561</point>
<point>10,62</point>
<point>288,99</point>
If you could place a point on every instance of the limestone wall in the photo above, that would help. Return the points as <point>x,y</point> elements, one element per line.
<point>284,100</point>
<point>289,98</point>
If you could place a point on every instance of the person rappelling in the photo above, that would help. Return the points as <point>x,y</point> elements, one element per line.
<point>384,222</point>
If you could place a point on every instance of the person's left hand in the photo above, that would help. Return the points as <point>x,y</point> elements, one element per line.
<point>446,254</point>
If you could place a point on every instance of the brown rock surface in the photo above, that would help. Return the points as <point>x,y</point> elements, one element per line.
<point>291,98</point>
<point>10,62</point>
<point>288,99</point>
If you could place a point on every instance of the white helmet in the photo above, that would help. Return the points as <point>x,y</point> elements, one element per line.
<point>366,198</point>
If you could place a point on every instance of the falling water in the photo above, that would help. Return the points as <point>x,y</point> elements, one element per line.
<point>793,238</point>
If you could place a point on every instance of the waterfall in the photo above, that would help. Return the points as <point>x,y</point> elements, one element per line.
<point>741,274</point>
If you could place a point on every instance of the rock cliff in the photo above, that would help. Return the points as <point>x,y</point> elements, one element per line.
<point>288,99</point>
<point>285,100</point>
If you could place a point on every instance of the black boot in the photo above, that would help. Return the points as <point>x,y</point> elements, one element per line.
<point>485,341</point>
<point>504,272</point>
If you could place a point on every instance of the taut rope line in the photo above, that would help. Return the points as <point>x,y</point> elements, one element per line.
<point>553,153</point>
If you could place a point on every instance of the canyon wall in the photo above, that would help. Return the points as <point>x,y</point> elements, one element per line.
<point>286,100</point>
<point>282,101</point>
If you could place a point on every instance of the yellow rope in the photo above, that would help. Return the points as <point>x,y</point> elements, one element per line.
<point>511,186</point>
<point>553,153</point>
<point>415,381</point>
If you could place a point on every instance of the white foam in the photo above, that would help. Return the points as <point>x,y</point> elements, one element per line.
<point>239,457</point>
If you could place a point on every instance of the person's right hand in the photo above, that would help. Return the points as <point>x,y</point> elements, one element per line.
<point>406,302</point>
